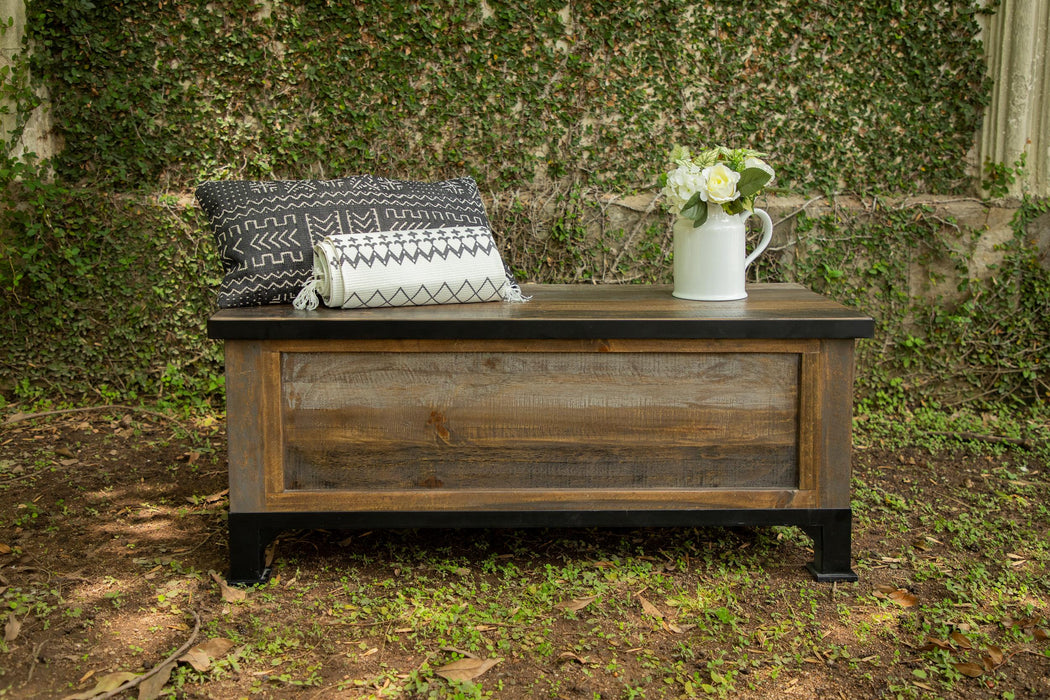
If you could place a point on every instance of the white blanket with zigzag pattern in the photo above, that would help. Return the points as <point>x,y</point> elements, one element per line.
<point>455,265</point>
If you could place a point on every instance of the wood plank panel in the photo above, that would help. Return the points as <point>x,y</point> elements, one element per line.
<point>539,420</point>
<point>253,423</point>
<point>540,500</point>
<point>634,345</point>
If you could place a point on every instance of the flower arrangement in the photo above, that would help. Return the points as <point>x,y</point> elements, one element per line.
<point>732,178</point>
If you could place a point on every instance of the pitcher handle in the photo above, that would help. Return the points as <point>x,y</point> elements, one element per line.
<point>767,236</point>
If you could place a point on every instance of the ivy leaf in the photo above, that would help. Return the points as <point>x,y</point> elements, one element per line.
<point>695,209</point>
<point>751,181</point>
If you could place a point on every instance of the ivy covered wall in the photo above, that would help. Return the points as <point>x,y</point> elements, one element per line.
<point>862,95</point>
<point>564,112</point>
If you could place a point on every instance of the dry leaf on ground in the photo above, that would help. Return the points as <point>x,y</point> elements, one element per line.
<point>12,628</point>
<point>150,688</point>
<point>650,609</point>
<point>202,656</point>
<point>465,669</point>
<point>576,605</point>
<point>969,669</point>
<point>229,593</point>
<point>106,684</point>
<point>994,657</point>
<point>898,595</point>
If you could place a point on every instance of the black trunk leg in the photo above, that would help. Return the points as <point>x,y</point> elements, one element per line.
<point>831,547</point>
<point>248,541</point>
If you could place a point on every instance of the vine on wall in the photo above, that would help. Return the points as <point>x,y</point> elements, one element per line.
<point>107,278</point>
<point>944,331</point>
<point>863,95</point>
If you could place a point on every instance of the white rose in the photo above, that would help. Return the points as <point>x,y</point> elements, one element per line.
<point>721,183</point>
<point>682,183</point>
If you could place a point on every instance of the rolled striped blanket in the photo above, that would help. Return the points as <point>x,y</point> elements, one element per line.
<point>454,265</point>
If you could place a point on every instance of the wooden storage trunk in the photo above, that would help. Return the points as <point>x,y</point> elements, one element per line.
<point>587,406</point>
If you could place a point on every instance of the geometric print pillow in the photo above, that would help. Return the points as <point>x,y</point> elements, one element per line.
<point>265,231</point>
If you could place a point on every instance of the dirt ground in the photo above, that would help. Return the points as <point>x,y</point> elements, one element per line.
<point>112,524</point>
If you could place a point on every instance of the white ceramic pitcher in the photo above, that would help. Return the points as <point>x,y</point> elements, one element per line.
<point>710,260</point>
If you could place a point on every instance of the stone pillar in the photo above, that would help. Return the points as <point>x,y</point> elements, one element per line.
<point>1018,118</point>
<point>36,136</point>
<point>10,46</point>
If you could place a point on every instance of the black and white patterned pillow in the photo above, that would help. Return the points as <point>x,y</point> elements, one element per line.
<point>265,231</point>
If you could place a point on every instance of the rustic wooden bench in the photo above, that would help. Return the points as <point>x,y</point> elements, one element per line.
<point>590,406</point>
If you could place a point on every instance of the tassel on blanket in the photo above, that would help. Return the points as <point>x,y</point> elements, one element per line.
<point>512,292</point>
<point>307,299</point>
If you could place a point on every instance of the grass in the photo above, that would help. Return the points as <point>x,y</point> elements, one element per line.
<point>107,561</point>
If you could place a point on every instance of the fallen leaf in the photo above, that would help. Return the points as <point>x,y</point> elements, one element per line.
<point>150,688</point>
<point>576,605</point>
<point>4,549</point>
<point>1040,633</point>
<point>903,598</point>
<point>106,684</point>
<point>994,657</point>
<point>569,656</point>
<point>202,656</point>
<point>12,628</point>
<point>465,669</point>
<point>190,457</point>
<point>970,670</point>
<point>229,593</point>
<point>650,609</point>
<point>961,641</point>
<point>932,644</point>
<point>216,497</point>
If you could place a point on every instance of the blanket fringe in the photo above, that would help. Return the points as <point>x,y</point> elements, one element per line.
<point>307,299</point>
<point>512,292</point>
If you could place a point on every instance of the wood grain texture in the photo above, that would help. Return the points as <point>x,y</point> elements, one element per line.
<point>586,398</point>
<point>566,311</point>
<point>836,423</point>
<point>540,500</point>
<point>539,420</point>
<point>250,407</point>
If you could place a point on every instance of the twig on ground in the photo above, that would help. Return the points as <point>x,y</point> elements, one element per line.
<point>994,439</point>
<point>19,417</point>
<point>156,669</point>
<point>19,478</point>
<point>33,661</point>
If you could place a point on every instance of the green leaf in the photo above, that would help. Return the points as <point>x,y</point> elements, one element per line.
<point>751,181</point>
<point>695,209</point>
<point>735,207</point>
